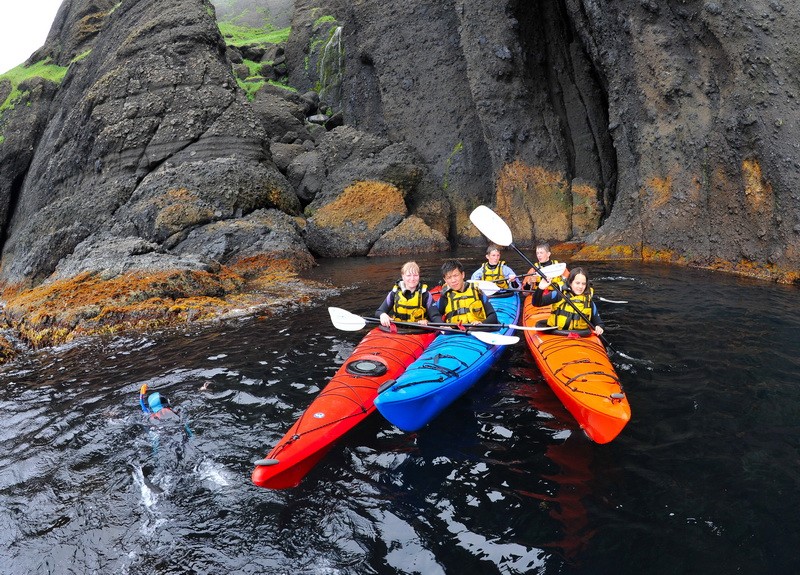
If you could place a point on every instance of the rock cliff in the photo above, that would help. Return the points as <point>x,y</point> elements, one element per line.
<point>653,130</point>
<point>149,137</point>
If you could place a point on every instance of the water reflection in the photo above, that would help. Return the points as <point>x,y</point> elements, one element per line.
<point>568,477</point>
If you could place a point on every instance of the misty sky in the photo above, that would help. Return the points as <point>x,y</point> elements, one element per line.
<point>24,25</point>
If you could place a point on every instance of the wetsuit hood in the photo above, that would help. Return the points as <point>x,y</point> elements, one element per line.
<point>154,401</point>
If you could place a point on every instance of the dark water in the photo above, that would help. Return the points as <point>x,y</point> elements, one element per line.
<point>703,480</point>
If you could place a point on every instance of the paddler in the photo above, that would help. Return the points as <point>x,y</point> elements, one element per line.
<point>462,302</point>
<point>544,258</point>
<point>155,405</point>
<point>577,295</point>
<point>409,301</point>
<point>495,269</point>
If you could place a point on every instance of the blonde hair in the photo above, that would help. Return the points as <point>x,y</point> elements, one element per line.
<point>409,267</point>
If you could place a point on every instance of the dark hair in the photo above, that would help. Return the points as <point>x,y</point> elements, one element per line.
<point>451,265</point>
<point>574,272</point>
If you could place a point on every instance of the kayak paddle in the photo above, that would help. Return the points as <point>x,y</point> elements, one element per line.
<point>495,228</point>
<point>346,321</point>
<point>551,271</point>
<point>491,288</point>
<point>612,300</point>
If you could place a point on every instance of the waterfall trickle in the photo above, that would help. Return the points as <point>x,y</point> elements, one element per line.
<point>331,66</point>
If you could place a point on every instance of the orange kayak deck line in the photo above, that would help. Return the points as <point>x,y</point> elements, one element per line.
<point>581,375</point>
<point>345,401</point>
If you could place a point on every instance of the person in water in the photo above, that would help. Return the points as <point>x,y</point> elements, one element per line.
<point>543,256</point>
<point>155,405</point>
<point>495,270</point>
<point>462,302</point>
<point>409,300</point>
<point>577,294</point>
<point>167,444</point>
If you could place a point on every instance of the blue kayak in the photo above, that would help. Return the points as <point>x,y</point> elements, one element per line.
<point>448,368</point>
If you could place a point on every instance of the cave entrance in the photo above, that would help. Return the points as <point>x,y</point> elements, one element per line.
<point>575,87</point>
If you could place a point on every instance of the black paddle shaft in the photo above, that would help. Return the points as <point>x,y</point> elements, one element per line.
<point>558,289</point>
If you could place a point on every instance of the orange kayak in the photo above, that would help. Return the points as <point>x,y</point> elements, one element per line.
<point>345,401</point>
<point>579,372</point>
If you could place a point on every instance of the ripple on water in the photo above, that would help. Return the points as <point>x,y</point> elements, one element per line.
<point>703,479</point>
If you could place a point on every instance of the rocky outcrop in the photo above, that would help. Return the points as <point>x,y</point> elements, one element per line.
<point>346,155</point>
<point>703,110</point>
<point>137,120</point>
<point>355,220</point>
<point>406,237</point>
<point>637,128</point>
<point>151,135</point>
<point>21,132</point>
<point>667,125</point>
<point>146,166</point>
<point>262,233</point>
<point>358,187</point>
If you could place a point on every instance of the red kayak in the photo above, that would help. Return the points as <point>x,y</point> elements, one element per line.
<point>576,367</point>
<point>345,401</point>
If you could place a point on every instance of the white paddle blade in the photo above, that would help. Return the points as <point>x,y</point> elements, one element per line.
<point>554,270</point>
<point>491,225</point>
<point>487,287</point>
<point>494,338</point>
<point>532,327</point>
<point>346,321</point>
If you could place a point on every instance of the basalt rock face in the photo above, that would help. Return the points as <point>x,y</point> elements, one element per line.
<point>671,126</point>
<point>703,108</point>
<point>21,135</point>
<point>147,138</point>
<point>473,86</point>
<point>647,130</point>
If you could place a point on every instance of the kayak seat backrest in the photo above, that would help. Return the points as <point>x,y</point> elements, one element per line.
<point>502,294</point>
